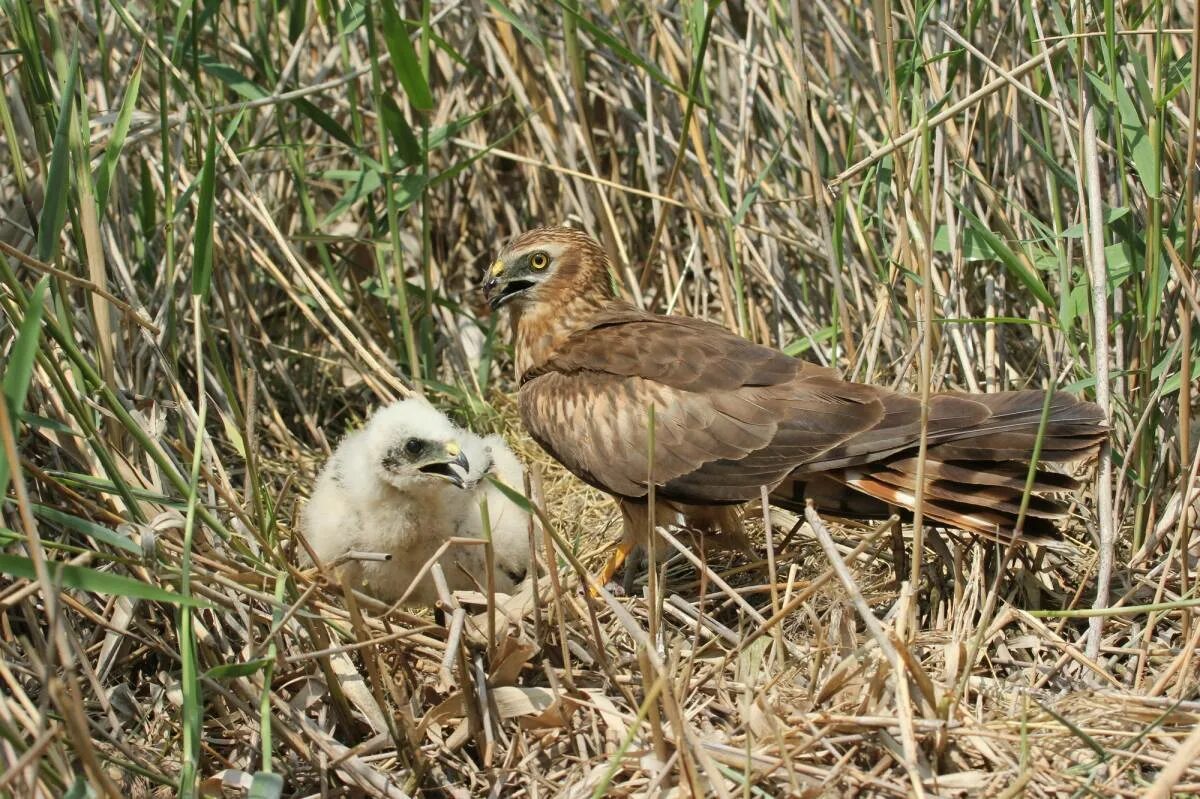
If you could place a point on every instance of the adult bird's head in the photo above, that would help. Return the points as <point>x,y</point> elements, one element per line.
<point>414,447</point>
<point>545,265</point>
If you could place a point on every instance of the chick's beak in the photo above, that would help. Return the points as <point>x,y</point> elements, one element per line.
<point>459,469</point>
<point>453,466</point>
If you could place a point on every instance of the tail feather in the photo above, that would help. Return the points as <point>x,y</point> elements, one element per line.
<point>1000,498</point>
<point>976,463</point>
<point>973,511</point>
<point>1016,447</point>
<point>1010,475</point>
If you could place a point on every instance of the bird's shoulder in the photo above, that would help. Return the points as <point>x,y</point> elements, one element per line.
<point>677,351</point>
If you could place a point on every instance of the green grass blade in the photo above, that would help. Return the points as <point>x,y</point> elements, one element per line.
<point>324,121</point>
<point>1012,262</point>
<point>54,212</point>
<point>407,146</point>
<point>607,41</point>
<point>82,578</point>
<point>226,671</point>
<point>19,372</point>
<point>202,269</point>
<point>522,25</point>
<point>86,527</point>
<point>236,81</point>
<point>112,152</point>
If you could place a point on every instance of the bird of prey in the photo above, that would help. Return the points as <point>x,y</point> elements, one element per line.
<point>403,485</point>
<point>731,416</point>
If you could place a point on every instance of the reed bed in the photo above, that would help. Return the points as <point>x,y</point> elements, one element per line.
<point>228,232</point>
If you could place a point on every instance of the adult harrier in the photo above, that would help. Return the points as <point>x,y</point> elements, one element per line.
<point>731,416</point>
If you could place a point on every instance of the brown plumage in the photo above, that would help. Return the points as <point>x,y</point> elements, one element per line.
<point>732,416</point>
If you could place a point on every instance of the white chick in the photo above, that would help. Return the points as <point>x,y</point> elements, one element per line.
<point>509,523</point>
<point>404,484</point>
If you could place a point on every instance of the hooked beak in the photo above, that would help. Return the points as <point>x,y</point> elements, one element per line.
<point>499,288</point>
<point>454,469</point>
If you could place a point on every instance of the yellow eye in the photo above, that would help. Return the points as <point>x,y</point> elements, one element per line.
<point>539,260</point>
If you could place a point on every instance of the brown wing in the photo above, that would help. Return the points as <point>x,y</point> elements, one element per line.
<point>730,415</point>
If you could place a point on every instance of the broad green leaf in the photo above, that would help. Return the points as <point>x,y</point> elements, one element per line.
<point>352,16</point>
<point>1141,147</point>
<point>1111,215</point>
<point>408,190</point>
<point>54,212</point>
<point>1075,306</point>
<point>1118,259</point>
<point>406,143</point>
<point>203,249</point>
<point>84,579</point>
<point>112,152</point>
<point>1141,82</point>
<point>19,371</point>
<point>236,81</point>
<point>1173,383</point>
<point>1100,85</point>
<point>404,58</point>
<point>1045,260</point>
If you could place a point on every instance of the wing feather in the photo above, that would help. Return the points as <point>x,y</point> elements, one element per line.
<point>730,415</point>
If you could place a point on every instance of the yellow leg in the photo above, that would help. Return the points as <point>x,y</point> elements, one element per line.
<point>615,561</point>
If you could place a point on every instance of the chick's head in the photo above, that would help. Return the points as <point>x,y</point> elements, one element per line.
<point>416,448</point>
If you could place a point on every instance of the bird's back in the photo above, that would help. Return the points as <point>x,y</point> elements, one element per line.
<point>732,415</point>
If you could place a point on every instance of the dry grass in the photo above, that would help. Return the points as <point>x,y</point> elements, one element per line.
<point>920,195</point>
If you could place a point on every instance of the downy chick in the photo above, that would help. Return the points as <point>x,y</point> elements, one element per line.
<point>509,523</point>
<point>402,486</point>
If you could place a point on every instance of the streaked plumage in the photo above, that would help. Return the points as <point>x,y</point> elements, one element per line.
<point>732,415</point>
<point>404,484</point>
